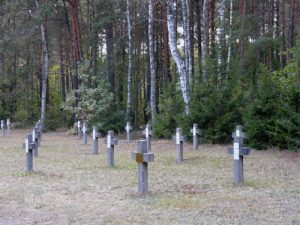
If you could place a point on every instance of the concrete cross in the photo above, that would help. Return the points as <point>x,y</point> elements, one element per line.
<point>3,128</point>
<point>8,125</point>
<point>79,125</point>
<point>179,138</point>
<point>40,131</point>
<point>238,152</point>
<point>196,133</point>
<point>142,157</point>
<point>129,129</point>
<point>29,146</point>
<point>110,144</point>
<point>84,134</point>
<point>148,134</point>
<point>35,139</point>
<point>96,135</point>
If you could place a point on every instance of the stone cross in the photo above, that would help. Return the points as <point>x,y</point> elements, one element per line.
<point>129,129</point>
<point>35,139</point>
<point>196,133</point>
<point>3,128</point>
<point>179,138</point>
<point>110,144</point>
<point>84,134</point>
<point>148,134</point>
<point>238,152</point>
<point>96,135</point>
<point>142,157</point>
<point>79,129</point>
<point>29,146</point>
<point>8,125</point>
<point>39,130</point>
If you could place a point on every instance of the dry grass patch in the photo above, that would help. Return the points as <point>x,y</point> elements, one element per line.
<point>70,185</point>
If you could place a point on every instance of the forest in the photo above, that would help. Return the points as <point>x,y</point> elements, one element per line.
<point>170,63</point>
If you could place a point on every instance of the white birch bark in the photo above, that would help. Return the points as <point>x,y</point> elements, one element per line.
<point>187,39</point>
<point>221,39</point>
<point>152,63</point>
<point>129,76</point>
<point>205,39</point>
<point>45,67</point>
<point>180,63</point>
<point>229,37</point>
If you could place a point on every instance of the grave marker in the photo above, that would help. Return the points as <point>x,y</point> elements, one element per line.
<point>84,134</point>
<point>79,129</point>
<point>35,140</point>
<point>110,144</point>
<point>148,135</point>
<point>142,157</point>
<point>3,128</point>
<point>196,133</point>
<point>129,129</point>
<point>39,132</point>
<point>179,138</point>
<point>29,146</point>
<point>96,135</point>
<point>238,152</point>
<point>8,125</point>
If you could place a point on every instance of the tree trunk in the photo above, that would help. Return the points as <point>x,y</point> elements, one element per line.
<point>242,10</point>
<point>129,77</point>
<point>45,66</point>
<point>221,40</point>
<point>166,57</point>
<point>152,63</point>
<point>229,37</point>
<point>283,34</point>
<point>110,47</point>
<point>199,8</point>
<point>205,39</point>
<point>180,63</point>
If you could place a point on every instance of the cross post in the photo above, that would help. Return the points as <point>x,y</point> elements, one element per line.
<point>238,151</point>
<point>142,157</point>
<point>8,126</point>
<point>29,147</point>
<point>129,129</point>
<point>3,128</point>
<point>179,138</point>
<point>96,135</point>
<point>84,134</point>
<point>110,144</point>
<point>196,133</point>
<point>79,126</point>
<point>148,135</point>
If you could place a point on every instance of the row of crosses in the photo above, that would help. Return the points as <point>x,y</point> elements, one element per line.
<point>5,126</point>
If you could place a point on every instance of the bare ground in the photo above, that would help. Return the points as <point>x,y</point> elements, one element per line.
<point>72,186</point>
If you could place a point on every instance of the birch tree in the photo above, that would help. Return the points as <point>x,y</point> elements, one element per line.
<point>187,38</point>
<point>180,62</point>
<point>229,35</point>
<point>45,65</point>
<point>221,39</point>
<point>205,39</point>
<point>152,63</point>
<point>129,75</point>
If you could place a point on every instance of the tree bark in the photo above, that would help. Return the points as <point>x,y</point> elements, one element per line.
<point>45,66</point>
<point>129,75</point>
<point>229,37</point>
<point>180,63</point>
<point>152,63</point>
<point>221,40</point>
<point>205,39</point>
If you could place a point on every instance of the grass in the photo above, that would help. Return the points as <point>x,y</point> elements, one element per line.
<point>69,185</point>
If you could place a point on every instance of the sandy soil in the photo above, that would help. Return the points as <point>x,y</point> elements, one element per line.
<point>69,185</point>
